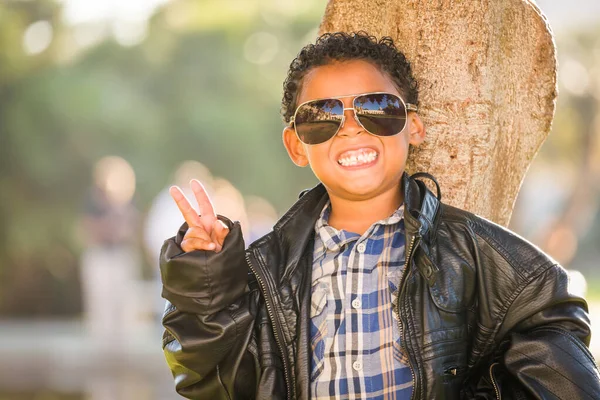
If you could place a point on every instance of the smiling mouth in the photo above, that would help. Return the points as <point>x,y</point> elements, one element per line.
<point>358,157</point>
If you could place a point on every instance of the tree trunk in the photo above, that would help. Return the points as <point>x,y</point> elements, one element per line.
<point>487,75</point>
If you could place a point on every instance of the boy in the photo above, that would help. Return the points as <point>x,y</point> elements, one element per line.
<point>368,287</point>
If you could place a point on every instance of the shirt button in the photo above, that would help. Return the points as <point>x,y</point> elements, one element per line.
<point>361,247</point>
<point>356,303</point>
<point>357,365</point>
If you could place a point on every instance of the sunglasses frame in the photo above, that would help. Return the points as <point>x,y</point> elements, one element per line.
<point>407,107</point>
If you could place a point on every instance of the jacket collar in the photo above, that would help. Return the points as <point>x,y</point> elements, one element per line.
<point>421,205</point>
<point>295,228</point>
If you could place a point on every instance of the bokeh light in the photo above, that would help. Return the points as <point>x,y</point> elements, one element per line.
<point>115,176</point>
<point>37,37</point>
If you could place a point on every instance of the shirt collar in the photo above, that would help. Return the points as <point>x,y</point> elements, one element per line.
<point>335,239</point>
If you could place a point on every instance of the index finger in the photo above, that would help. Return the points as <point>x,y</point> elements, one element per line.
<point>205,206</point>
<point>189,214</point>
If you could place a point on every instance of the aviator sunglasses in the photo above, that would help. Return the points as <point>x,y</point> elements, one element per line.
<point>379,113</point>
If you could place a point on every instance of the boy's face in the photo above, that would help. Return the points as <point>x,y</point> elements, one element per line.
<point>369,178</point>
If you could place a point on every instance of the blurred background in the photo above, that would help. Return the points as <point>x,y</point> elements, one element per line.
<point>104,105</point>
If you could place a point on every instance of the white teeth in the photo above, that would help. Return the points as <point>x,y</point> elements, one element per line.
<point>357,158</point>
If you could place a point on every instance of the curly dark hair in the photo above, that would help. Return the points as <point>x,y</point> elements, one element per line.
<point>341,46</point>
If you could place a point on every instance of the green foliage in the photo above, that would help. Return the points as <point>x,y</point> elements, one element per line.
<point>186,92</point>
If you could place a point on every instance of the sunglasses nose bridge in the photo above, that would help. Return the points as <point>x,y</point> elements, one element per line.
<point>353,116</point>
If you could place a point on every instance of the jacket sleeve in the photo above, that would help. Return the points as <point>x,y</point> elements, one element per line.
<point>208,318</point>
<point>544,353</point>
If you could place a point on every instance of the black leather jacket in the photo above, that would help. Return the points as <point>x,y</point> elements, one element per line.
<point>483,313</point>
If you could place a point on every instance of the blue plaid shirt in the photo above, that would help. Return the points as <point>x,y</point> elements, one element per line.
<point>355,336</point>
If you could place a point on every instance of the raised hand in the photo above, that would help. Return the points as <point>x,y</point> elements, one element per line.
<point>205,231</point>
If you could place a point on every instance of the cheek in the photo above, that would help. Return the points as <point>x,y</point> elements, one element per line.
<point>404,139</point>
<point>397,144</point>
<point>316,152</point>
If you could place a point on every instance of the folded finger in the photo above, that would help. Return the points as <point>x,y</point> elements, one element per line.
<point>219,233</point>
<point>192,244</point>
<point>197,232</point>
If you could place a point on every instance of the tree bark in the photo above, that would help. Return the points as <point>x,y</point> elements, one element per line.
<point>487,75</point>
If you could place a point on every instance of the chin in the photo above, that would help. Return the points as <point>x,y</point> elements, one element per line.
<point>369,189</point>
<point>361,193</point>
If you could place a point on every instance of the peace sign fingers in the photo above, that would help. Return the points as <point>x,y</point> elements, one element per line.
<point>205,231</point>
<point>189,214</point>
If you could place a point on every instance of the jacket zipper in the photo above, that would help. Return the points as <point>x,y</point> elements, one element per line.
<point>275,325</point>
<point>400,325</point>
<point>494,381</point>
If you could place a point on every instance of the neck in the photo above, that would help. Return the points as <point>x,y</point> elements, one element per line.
<point>358,215</point>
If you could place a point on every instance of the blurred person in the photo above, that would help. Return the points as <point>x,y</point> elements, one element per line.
<point>110,261</point>
<point>369,286</point>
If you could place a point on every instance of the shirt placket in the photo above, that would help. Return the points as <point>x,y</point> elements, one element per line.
<point>354,306</point>
<point>339,341</point>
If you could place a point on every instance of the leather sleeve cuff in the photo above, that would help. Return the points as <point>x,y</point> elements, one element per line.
<point>204,282</point>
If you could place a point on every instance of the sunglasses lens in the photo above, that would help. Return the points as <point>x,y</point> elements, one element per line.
<point>382,114</point>
<point>318,121</point>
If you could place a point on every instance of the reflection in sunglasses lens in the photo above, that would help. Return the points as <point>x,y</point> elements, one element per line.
<point>318,121</point>
<point>381,114</point>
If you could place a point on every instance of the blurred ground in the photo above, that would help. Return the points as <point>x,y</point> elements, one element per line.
<point>59,356</point>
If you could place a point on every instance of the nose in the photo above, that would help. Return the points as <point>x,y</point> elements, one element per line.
<point>350,126</point>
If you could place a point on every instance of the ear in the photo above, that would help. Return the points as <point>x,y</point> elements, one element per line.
<point>294,147</point>
<point>416,132</point>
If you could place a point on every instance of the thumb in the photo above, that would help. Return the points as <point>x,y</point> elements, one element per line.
<point>219,233</point>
